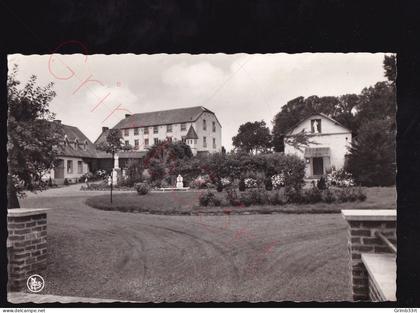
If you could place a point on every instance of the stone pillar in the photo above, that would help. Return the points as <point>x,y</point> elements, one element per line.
<point>363,225</point>
<point>27,246</point>
<point>116,161</point>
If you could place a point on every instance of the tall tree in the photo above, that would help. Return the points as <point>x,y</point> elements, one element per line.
<point>32,137</point>
<point>114,143</point>
<point>253,137</point>
<point>390,67</point>
<point>372,154</point>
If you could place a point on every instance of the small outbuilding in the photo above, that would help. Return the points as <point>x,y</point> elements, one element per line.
<point>328,144</point>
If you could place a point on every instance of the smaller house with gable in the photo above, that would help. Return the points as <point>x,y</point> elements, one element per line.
<point>328,147</point>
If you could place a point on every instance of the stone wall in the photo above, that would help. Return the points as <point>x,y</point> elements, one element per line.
<point>362,238</point>
<point>27,245</point>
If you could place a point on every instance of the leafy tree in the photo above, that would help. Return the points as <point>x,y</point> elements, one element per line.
<point>390,67</point>
<point>114,143</point>
<point>167,152</point>
<point>32,137</point>
<point>253,137</point>
<point>377,102</point>
<point>372,155</point>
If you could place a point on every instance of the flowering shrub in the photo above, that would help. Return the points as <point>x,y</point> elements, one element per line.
<point>250,183</point>
<point>277,180</point>
<point>202,181</point>
<point>100,174</point>
<point>340,178</point>
<point>225,182</point>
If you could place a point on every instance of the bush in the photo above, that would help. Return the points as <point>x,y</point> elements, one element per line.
<point>312,195</point>
<point>277,181</point>
<point>294,196</point>
<point>66,182</point>
<point>276,199</point>
<point>232,197</point>
<point>242,185</point>
<point>142,188</point>
<point>321,184</point>
<point>246,199</point>
<point>340,178</point>
<point>328,196</point>
<point>209,199</point>
<point>351,195</point>
<point>268,184</point>
<point>201,182</point>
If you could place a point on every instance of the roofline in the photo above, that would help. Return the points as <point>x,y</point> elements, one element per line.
<point>309,116</point>
<point>192,121</point>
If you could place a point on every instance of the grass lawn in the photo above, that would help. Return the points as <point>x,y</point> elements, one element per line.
<point>186,203</point>
<point>145,257</point>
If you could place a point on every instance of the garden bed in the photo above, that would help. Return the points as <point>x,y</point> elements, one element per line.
<point>187,203</point>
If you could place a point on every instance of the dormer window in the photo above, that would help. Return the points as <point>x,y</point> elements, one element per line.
<point>316,126</point>
<point>76,144</point>
<point>66,140</point>
<point>85,144</point>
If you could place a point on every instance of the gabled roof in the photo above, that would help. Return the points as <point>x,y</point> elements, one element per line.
<point>73,135</point>
<point>310,116</point>
<point>174,116</point>
<point>191,134</point>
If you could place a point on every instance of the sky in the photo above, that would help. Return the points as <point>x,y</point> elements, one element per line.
<point>98,90</point>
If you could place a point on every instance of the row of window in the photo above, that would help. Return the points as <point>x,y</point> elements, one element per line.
<point>168,128</point>
<point>156,141</point>
<point>70,167</point>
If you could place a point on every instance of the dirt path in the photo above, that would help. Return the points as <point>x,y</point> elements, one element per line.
<point>131,256</point>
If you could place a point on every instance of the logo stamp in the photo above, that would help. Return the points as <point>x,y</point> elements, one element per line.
<point>35,283</point>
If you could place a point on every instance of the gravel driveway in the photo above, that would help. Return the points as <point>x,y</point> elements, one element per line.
<point>132,256</point>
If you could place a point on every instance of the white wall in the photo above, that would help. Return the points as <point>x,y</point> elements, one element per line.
<point>208,133</point>
<point>336,137</point>
<point>177,134</point>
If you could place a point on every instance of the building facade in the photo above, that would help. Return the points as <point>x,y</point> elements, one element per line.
<point>196,126</point>
<point>328,147</point>
<point>76,155</point>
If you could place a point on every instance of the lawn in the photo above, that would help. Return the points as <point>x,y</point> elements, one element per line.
<point>145,257</point>
<point>186,203</point>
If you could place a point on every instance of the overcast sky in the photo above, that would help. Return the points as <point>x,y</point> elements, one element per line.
<point>237,87</point>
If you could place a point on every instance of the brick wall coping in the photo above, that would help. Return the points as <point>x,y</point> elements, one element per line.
<point>382,268</point>
<point>25,212</point>
<point>369,215</point>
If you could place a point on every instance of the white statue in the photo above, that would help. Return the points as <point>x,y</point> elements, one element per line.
<point>179,181</point>
<point>109,180</point>
<point>315,125</point>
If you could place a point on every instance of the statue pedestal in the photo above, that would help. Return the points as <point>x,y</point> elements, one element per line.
<point>179,185</point>
<point>115,176</point>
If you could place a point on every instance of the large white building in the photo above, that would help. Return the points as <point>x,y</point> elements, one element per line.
<point>331,141</point>
<point>196,126</point>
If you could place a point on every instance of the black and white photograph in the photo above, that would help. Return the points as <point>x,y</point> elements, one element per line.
<point>194,178</point>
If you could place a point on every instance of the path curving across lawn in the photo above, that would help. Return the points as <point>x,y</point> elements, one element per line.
<point>144,257</point>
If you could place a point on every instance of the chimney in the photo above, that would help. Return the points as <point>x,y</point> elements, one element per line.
<point>127,115</point>
<point>104,129</point>
<point>57,121</point>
